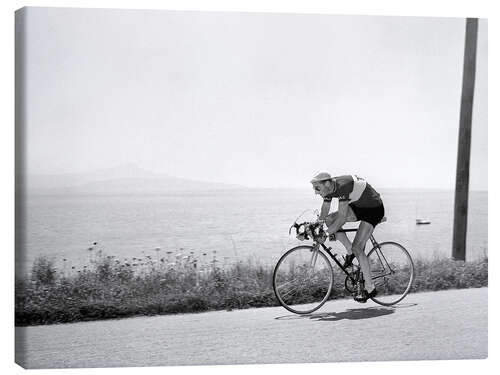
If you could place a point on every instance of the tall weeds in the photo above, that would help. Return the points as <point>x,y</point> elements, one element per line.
<point>108,287</point>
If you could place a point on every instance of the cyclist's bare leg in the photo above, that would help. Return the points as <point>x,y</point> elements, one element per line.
<point>344,240</point>
<point>358,248</point>
<point>341,236</point>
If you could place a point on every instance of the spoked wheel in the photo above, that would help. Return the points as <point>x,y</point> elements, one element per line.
<point>303,279</point>
<point>392,272</point>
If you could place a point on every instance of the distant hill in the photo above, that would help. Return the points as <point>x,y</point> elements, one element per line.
<point>125,179</point>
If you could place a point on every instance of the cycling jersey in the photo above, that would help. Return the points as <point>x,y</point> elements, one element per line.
<point>355,190</point>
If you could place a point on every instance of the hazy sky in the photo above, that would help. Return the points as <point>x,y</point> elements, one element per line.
<point>253,99</point>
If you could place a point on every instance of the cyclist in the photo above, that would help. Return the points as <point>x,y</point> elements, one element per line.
<point>358,201</point>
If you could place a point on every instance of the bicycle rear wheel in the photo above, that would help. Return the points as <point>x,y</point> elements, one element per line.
<point>303,279</point>
<point>392,272</point>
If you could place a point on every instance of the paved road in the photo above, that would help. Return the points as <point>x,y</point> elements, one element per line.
<point>435,325</point>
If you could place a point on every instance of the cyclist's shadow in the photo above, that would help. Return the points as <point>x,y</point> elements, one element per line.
<point>352,314</point>
<point>349,314</point>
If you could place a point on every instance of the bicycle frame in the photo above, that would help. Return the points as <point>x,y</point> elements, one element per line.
<point>375,244</point>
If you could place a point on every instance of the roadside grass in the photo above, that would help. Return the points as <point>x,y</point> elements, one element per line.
<point>109,288</point>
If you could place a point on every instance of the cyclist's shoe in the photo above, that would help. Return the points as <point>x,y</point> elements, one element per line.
<point>365,296</point>
<point>372,294</point>
<point>348,260</point>
<point>361,297</point>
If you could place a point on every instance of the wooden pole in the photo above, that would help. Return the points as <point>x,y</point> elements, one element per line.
<point>464,141</point>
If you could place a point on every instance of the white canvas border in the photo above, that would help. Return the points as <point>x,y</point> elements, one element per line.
<point>483,9</point>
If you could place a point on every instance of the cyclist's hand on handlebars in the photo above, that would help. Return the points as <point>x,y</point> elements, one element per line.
<point>321,222</point>
<point>305,234</point>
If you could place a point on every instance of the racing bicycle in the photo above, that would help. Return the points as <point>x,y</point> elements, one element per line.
<point>303,278</point>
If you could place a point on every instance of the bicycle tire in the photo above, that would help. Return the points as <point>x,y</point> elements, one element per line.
<point>307,288</point>
<point>392,271</point>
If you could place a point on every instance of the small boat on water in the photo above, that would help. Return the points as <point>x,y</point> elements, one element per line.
<point>423,221</point>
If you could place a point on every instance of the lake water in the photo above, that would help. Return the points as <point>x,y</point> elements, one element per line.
<point>235,224</point>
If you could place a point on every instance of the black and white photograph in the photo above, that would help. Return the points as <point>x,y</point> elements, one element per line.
<point>236,188</point>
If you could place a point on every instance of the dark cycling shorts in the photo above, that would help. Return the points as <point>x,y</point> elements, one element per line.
<point>372,215</point>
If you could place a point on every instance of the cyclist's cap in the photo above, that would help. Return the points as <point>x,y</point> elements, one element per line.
<point>321,176</point>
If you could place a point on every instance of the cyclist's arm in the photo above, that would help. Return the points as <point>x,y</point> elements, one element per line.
<point>341,217</point>
<point>325,209</point>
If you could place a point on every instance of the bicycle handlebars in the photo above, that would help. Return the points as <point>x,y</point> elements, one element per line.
<point>310,230</point>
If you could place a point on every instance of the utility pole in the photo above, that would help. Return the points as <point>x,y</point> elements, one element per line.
<point>464,141</point>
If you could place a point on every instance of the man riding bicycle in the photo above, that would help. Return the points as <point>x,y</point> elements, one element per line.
<point>358,201</point>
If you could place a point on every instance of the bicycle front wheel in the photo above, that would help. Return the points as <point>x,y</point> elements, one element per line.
<point>303,279</point>
<point>392,272</point>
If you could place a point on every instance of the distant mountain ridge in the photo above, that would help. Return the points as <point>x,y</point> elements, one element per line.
<point>124,179</point>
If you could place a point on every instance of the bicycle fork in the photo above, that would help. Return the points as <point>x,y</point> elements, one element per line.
<point>314,258</point>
